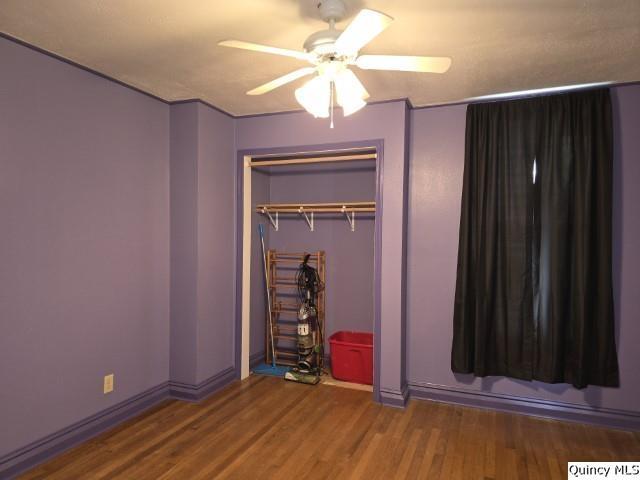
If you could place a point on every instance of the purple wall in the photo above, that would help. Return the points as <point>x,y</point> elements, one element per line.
<point>437,160</point>
<point>349,285</point>
<point>379,121</point>
<point>184,242</point>
<point>84,249</point>
<point>202,226</point>
<point>260,192</point>
<point>216,225</point>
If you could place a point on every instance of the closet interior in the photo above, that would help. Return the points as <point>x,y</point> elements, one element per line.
<point>321,204</point>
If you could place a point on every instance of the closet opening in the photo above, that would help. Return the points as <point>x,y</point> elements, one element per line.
<point>324,202</point>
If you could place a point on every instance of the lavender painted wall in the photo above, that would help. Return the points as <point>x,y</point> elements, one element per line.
<point>202,224</point>
<point>349,285</point>
<point>260,192</point>
<point>381,121</point>
<point>184,242</point>
<point>84,249</point>
<point>437,160</point>
<point>216,223</point>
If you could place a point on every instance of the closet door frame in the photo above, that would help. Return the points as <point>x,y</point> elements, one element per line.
<point>244,236</point>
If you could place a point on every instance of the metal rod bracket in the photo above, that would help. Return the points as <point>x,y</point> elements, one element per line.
<point>351,219</point>
<point>273,222</point>
<point>306,217</point>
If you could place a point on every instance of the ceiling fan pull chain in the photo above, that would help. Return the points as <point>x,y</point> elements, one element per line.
<point>331,102</point>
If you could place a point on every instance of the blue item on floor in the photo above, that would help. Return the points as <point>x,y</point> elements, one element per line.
<point>271,370</point>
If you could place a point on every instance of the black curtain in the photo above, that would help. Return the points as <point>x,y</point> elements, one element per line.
<point>534,294</point>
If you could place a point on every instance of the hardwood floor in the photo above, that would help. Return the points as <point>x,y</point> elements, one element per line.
<point>268,428</point>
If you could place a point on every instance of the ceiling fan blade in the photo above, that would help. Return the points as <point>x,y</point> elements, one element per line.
<point>278,82</point>
<point>256,47</point>
<point>367,25</point>
<point>404,63</point>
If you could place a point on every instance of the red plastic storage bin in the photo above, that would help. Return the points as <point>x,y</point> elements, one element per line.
<point>352,356</point>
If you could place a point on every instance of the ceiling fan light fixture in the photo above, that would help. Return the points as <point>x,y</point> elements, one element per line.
<point>331,52</point>
<point>315,96</point>
<point>351,94</point>
<point>352,105</point>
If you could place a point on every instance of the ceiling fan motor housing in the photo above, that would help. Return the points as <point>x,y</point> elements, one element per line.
<point>332,10</point>
<point>322,42</point>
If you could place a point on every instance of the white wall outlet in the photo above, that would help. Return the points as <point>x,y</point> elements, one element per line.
<point>108,383</point>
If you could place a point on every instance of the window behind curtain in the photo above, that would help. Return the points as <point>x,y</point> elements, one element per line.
<point>534,294</point>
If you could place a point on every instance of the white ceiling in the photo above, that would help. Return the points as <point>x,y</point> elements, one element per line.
<point>168,47</point>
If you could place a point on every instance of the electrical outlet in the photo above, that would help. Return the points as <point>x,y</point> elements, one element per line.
<point>108,383</point>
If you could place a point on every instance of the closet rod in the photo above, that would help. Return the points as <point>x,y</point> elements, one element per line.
<point>348,205</point>
<point>318,210</point>
<point>306,160</point>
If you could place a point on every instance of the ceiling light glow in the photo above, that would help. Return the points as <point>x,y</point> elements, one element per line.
<point>350,92</point>
<point>315,96</point>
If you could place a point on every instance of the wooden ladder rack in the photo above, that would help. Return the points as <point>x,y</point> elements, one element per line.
<point>285,304</point>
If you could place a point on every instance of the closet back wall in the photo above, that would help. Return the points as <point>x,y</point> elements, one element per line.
<point>84,248</point>
<point>349,289</point>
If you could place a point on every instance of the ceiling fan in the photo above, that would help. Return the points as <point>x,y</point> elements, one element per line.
<point>331,52</point>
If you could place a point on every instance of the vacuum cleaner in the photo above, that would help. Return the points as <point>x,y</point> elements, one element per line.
<point>310,337</point>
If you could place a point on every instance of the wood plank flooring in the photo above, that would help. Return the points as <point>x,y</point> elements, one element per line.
<point>264,427</point>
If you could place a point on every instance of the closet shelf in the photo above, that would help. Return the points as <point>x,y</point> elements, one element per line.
<point>308,210</point>
<point>345,156</point>
<point>337,207</point>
